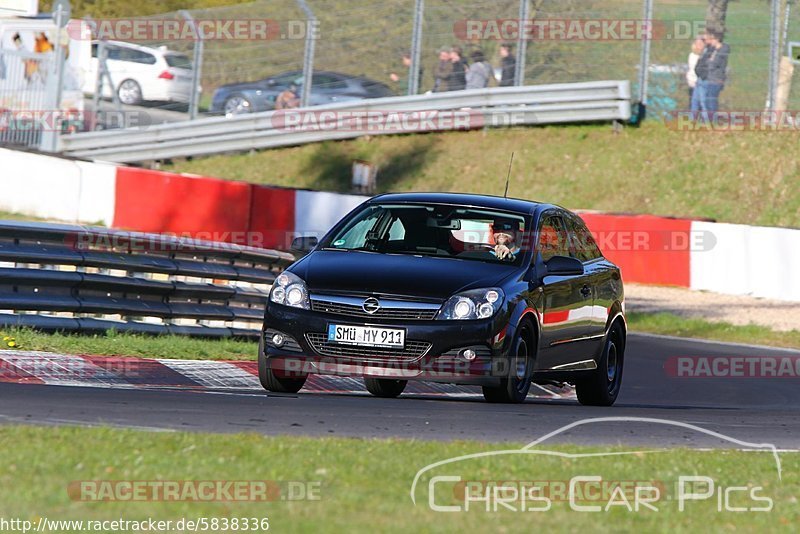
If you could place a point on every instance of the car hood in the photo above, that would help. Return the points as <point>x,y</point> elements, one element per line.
<point>397,274</point>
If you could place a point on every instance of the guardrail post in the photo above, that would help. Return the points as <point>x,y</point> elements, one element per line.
<point>197,63</point>
<point>522,44</point>
<point>644,61</point>
<point>416,48</point>
<point>308,55</point>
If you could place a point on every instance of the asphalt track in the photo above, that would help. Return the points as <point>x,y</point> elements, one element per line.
<point>759,410</point>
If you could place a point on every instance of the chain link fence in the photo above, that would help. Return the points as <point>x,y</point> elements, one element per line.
<point>356,49</point>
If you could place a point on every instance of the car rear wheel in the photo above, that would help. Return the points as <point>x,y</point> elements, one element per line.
<point>602,387</point>
<point>385,387</point>
<point>514,388</point>
<point>130,93</point>
<point>237,105</point>
<point>276,380</point>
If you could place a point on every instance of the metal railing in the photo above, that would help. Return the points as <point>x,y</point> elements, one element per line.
<point>83,279</point>
<point>503,106</point>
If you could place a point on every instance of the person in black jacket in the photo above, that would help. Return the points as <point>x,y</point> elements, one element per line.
<point>711,71</point>
<point>508,65</point>
<point>457,80</point>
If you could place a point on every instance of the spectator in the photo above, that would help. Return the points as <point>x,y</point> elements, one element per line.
<point>441,73</point>
<point>288,99</point>
<point>691,76</point>
<point>457,81</point>
<point>711,69</point>
<point>479,72</point>
<point>508,66</point>
<point>401,80</point>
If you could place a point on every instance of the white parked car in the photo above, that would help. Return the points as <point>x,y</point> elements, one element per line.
<point>142,73</point>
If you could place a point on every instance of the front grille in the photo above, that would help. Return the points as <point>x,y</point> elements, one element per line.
<point>413,350</point>
<point>388,312</point>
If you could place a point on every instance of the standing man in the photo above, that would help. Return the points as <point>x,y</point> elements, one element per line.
<point>458,76</point>
<point>508,65</point>
<point>711,69</point>
<point>401,80</point>
<point>441,73</point>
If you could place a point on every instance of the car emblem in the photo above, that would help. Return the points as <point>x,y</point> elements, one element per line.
<point>371,305</point>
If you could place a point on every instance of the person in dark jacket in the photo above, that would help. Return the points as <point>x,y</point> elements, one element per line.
<point>508,65</point>
<point>711,71</point>
<point>441,74</point>
<point>457,81</point>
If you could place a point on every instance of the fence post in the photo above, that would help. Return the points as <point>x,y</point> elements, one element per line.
<point>197,63</point>
<point>308,55</point>
<point>522,44</point>
<point>416,48</point>
<point>644,61</point>
<point>61,14</point>
<point>774,53</point>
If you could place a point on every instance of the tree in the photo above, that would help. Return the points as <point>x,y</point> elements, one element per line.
<point>715,15</point>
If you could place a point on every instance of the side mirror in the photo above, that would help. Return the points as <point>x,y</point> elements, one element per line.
<point>304,244</point>
<point>563,266</point>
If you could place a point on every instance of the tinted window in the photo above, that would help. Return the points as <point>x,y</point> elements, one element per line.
<point>287,78</point>
<point>583,242</point>
<point>131,55</point>
<point>553,239</point>
<point>179,61</point>
<point>327,81</point>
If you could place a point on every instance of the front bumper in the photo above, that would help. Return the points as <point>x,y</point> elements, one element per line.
<point>441,361</point>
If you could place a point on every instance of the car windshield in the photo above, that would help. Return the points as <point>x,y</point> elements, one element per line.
<point>434,230</point>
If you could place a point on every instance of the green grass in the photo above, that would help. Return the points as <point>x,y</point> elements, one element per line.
<point>364,485</point>
<point>124,344</point>
<point>748,178</point>
<point>674,325</point>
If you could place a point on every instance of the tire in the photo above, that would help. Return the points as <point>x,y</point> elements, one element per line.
<point>514,388</point>
<point>130,92</point>
<point>274,382</point>
<point>385,387</point>
<point>236,105</point>
<point>602,387</point>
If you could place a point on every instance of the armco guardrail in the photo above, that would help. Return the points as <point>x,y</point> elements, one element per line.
<point>76,278</point>
<point>501,106</point>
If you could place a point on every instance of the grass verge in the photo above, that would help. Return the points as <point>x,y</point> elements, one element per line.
<point>364,485</point>
<point>124,344</point>
<point>674,325</point>
<point>747,178</point>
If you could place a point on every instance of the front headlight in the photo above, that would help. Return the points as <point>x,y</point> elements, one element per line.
<point>475,304</point>
<point>290,290</point>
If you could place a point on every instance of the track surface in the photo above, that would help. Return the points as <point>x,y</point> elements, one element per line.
<point>761,410</point>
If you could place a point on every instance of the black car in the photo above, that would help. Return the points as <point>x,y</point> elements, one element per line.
<point>326,88</point>
<point>452,288</point>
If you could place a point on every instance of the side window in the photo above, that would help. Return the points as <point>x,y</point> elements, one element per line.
<point>553,240</point>
<point>583,242</point>
<point>397,231</point>
<point>325,81</point>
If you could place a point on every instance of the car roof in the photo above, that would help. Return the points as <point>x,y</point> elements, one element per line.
<point>143,48</point>
<point>482,201</point>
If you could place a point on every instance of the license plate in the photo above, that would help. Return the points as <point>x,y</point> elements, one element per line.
<point>366,336</point>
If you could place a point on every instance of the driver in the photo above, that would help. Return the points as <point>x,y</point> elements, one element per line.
<point>506,233</point>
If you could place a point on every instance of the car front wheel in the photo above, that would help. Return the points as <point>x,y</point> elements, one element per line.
<point>384,387</point>
<point>276,380</point>
<point>514,389</point>
<point>130,93</point>
<point>601,388</point>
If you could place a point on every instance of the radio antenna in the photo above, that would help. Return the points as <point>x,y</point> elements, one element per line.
<point>508,176</point>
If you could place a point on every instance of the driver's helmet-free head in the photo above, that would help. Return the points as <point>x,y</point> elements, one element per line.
<point>505,231</point>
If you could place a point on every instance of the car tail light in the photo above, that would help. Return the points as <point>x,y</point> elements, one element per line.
<point>166,75</point>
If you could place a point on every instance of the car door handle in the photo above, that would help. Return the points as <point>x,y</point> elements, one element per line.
<point>586,291</point>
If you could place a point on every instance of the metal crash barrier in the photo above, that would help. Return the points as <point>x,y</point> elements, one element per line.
<point>84,279</point>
